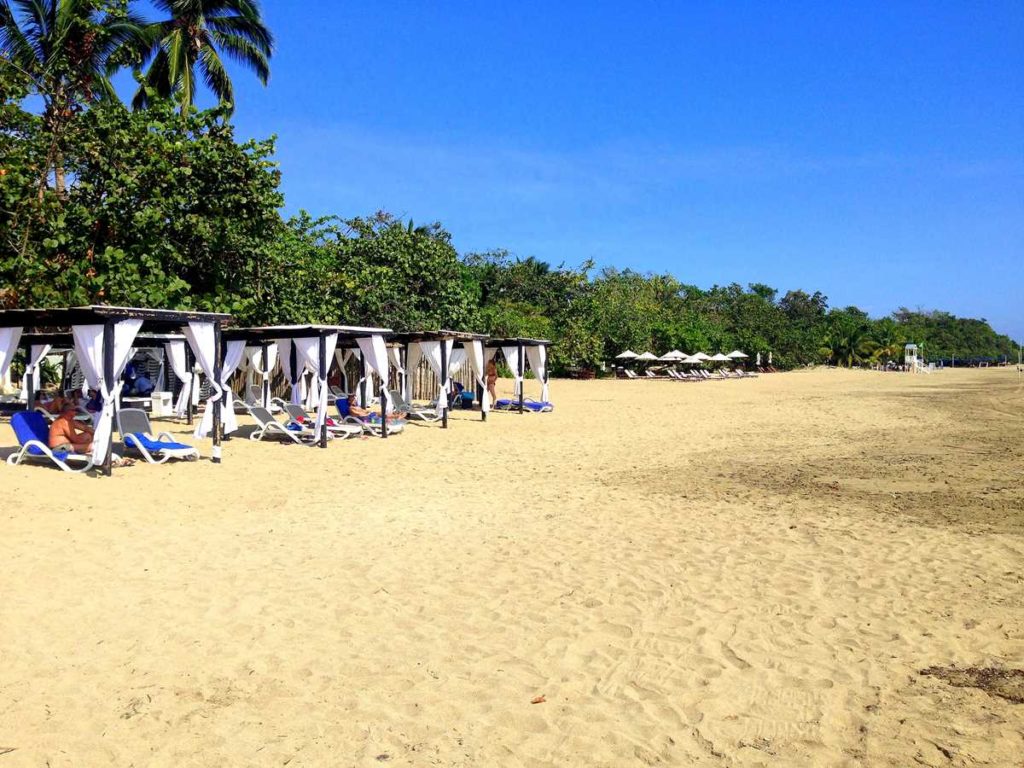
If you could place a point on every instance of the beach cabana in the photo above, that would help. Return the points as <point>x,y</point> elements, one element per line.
<point>517,351</point>
<point>302,348</point>
<point>103,337</point>
<point>439,349</point>
<point>157,346</point>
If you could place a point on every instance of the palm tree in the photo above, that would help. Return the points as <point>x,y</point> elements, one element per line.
<point>67,50</point>
<point>194,36</point>
<point>889,338</point>
<point>848,342</point>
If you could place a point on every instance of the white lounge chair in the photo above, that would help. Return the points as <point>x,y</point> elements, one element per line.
<point>268,426</point>
<point>412,411</point>
<point>137,434</point>
<point>298,415</point>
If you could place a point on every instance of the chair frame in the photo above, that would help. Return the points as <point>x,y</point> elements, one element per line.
<point>130,440</point>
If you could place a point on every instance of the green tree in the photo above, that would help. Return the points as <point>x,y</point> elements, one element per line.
<point>66,50</point>
<point>166,211</point>
<point>192,38</point>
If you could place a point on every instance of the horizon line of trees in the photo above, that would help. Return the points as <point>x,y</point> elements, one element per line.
<point>160,206</point>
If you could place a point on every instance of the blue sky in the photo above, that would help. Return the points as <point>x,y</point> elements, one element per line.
<point>873,151</point>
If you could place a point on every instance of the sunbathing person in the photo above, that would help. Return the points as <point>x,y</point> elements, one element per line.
<point>365,413</point>
<point>52,402</point>
<point>66,434</point>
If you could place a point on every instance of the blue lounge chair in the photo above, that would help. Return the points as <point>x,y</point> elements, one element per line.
<point>33,433</point>
<point>529,405</point>
<point>371,424</point>
<point>137,434</point>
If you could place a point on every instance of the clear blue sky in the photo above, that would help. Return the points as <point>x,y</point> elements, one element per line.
<point>874,152</point>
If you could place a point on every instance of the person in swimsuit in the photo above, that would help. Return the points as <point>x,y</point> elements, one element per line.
<point>66,434</point>
<point>492,379</point>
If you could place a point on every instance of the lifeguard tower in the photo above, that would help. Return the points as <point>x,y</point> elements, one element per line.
<point>910,359</point>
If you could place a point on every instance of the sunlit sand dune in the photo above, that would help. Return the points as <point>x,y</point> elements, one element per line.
<point>725,573</point>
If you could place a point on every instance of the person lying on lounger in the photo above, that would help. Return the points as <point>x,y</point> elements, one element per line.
<point>66,434</point>
<point>365,413</point>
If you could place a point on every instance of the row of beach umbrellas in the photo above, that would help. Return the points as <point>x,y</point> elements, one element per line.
<point>675,356</point>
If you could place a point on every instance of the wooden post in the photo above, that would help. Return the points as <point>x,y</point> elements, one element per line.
<point>547,369</point>
<point>218,364</point>
<point>522,375</point>
<point>444,384</point>
<point>30,385</point>
<point>190,364</point>
<point>323,381</point>
<point>406,389</point>
<point>266,379</point>
<point>108,380</point>
<point>362,380</point>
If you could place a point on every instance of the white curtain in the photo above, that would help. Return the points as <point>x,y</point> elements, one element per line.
<point>89,350</point>
<point>343,356</point>
<point>176,355</point>
<point>538,358</point>
<point>308,353</point>
<point>9,338</point>
<point>375,355</point>
<point>263,367</point>
<point>202,338</point>
<point>395,358</point>
<point>456,357</point>
<point>475,353</point>
<point>35,356</point>
<point>412,366</point>
<point>294,377</point>
<point>234,352</point>
<point>432,352</point>
<point>512,358</point>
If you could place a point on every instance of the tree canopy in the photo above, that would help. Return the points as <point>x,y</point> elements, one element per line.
<point>164,207</point>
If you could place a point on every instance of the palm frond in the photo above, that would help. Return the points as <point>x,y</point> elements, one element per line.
<point>245,53</point>
<point>215,76</point>
<point>252,31</point>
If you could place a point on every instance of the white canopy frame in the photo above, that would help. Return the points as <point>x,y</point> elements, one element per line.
<point>102,337</point>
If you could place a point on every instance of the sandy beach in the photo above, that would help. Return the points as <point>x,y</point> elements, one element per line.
<point>734,573</point>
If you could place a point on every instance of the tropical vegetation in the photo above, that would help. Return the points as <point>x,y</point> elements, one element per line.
<point>159,204</point>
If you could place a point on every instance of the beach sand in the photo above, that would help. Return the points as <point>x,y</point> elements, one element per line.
<point>729,573</point>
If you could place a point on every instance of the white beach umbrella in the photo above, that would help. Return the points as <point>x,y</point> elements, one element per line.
<point>701,356</point>
<point>668,357</point>
<point>691,360</point>
<point>647,356</point>
<point>627,355</point>
<point>758,359</point>
<point>736,354</point>
<point>720,358</point>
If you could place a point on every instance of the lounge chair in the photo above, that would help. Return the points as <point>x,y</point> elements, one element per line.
<point>137,434</point>
<point>33,433</point>
<point>254,397</point>
<point>529,405</point>
<point>412,411</point>
<point>370,424</point>
<point>630,374</point>
<point>268,426</point>
<point>298,416</point>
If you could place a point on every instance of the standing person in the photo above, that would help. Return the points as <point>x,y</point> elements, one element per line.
<point>492,379</point>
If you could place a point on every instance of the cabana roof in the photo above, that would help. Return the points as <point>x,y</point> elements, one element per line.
<point>274,332</point>
<point>407,337</point>
<point>157,320</point>
<point>518,340</point>
<point>65,340</point>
